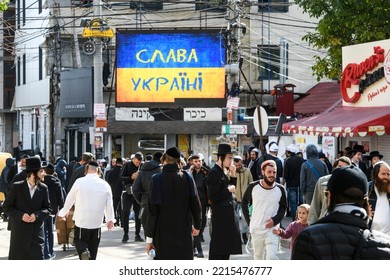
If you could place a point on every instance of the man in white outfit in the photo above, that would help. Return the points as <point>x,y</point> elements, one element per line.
<point>268,201</point>
<point>92,199</point>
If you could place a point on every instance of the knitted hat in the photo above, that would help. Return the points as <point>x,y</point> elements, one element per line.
<point>348,181</point>
<point>157,156</point>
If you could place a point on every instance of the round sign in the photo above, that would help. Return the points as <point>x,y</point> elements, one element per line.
<point>264,120</point>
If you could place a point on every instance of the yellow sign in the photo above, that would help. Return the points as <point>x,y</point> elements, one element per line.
<point>98,28</point>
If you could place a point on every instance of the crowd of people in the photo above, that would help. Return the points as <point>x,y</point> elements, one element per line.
<point>338,210</point>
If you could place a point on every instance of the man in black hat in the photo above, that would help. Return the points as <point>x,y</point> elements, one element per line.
<point>374,157</point>
<point>28,205</point>
<point>221,182</point>
<point>356,155</point>
<point>174,211</point>
<point>343,234</point>
<point>141,186</point>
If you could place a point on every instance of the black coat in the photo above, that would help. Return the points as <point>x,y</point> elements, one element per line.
<point>77,173</point>
<point>173,208</point>
<point>225,234</point>
<point>27,239</point>
<point>337,236</point>
<point>141,186</point>
<point>55,193</point>
<point>115,181</point>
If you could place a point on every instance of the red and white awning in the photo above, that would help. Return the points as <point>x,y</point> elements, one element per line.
<point>344,121</point>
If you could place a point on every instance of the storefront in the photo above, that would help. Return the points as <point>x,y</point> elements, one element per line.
<point>365,110</point>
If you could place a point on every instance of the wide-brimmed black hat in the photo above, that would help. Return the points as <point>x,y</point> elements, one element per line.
<point>224,149</point>
<point>358,148</point>
<point>33,163</point>
<point>375,154</point>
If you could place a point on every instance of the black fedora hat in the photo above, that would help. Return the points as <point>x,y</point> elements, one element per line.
<point>375,154</point>
<point>224,149</point>
<point>358,148</point>
<point>33,163</point>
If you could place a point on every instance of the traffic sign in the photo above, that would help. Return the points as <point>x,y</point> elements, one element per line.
<point>234,129</point>
<point>264,121</point>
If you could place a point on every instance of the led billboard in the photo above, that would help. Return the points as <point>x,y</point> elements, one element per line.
<point>170,68</point>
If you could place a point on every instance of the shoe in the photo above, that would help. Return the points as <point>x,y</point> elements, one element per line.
<point>138,239</point>
<point>200,255</point>
<point>85,256</point>
<point>53,256</point>
<point>195,253</point>
<point>125,238</point>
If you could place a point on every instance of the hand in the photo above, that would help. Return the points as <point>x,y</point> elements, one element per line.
<point>269,223</point>
<point>232,170</point>
<point>149,246</point>
<point>26,218</point>
<point>110,225</point>
<point>276,231</point>
<point>195,232</point>
<point>231,188</point>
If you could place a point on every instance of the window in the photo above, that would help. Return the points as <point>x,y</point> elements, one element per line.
<point>211,5</point>
<point>147,5</point>
<point>273,6</point>
<point>24,69</point>
<point>40,74</point>
<point>24,13</point>
<point>269,62</point>
<point>19,72</point>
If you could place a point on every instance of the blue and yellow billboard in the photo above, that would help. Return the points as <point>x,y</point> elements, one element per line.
<point>170,68</point>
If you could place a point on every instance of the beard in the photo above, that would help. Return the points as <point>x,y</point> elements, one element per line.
<point>382,185</point>
<point>269,180</point>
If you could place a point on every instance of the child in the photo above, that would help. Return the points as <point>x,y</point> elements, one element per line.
<point>295,227</point>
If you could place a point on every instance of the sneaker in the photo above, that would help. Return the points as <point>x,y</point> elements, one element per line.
<point>85,256</point>
<point>200,255</point>
<point>195,253</point>
<point>138,239</point>
<point>125,238</point>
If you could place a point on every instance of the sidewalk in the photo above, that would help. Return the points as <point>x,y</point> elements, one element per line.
<point>112,248</point>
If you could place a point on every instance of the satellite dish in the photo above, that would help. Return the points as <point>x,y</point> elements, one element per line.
<point>264,120</point>
<point>89,47</point>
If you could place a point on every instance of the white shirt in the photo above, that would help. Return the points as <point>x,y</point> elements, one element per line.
<point>92,199</point>
<point>381,221</point>
<point>265,206</point>
<point>31,189</point>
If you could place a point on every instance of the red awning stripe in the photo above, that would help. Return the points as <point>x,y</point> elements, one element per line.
<point>344,121</point>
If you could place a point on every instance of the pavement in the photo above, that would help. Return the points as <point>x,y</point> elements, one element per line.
<point>112,248</point>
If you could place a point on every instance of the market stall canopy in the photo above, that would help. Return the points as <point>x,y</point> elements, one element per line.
<point>344,121</point>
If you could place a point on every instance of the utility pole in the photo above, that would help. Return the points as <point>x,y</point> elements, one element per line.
<point>97,81</point>
<point>97,60</point>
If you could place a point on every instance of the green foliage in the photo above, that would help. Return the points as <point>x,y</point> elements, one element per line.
<point>343,23</point>
<point>3,5</point>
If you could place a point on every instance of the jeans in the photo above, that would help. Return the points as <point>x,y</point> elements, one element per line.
<point>295,198</point>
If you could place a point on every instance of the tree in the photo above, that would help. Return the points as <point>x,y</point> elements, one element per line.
<point>343,23</point>
<point>3,5</point>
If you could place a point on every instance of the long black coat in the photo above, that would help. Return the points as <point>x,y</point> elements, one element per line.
<point>173,208</point>
<point>27,239</point>
<point>225,234</point>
